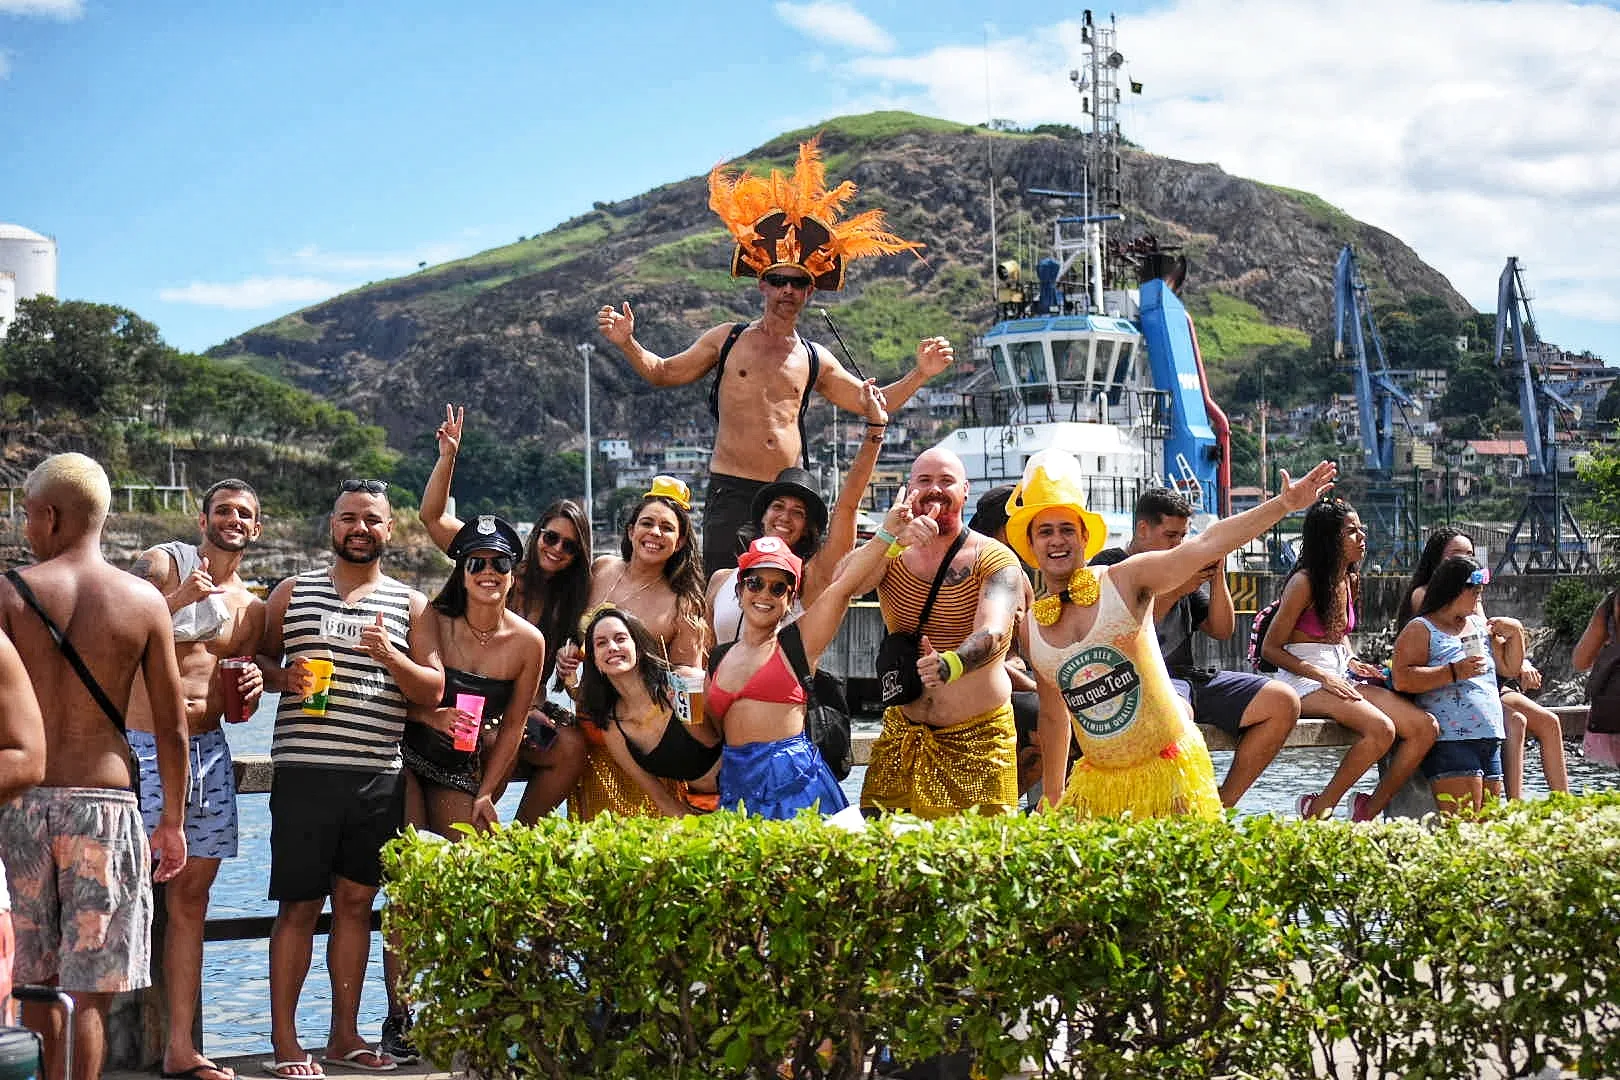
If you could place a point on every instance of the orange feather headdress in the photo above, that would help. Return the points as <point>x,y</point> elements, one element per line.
<point>794,221</point>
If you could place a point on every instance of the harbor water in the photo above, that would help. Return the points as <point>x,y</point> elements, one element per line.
<point>236,986</point>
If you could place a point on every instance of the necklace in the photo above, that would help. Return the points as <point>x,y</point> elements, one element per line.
<point>483,637</point>
<point>613,593</point>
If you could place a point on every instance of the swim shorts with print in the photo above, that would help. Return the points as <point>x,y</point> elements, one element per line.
<point>211,802</point>
<point>81,895</point>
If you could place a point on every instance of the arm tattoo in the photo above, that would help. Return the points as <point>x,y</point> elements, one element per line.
<point>1002,593</point>
<point>143,569</point>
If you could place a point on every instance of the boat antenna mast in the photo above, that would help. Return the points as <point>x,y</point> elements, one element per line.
<point>1098,86</point>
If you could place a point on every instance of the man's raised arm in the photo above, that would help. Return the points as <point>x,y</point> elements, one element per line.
<point>619,328</point>
<point>841,388</point>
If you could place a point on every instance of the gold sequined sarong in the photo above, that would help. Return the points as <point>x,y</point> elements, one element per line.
<point>604,786</point>
<point>936,772</point>
<point>1179,780</point>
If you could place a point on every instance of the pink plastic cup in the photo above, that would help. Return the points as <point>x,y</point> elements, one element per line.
<point>467,730</point>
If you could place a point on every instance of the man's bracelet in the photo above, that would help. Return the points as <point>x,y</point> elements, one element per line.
<point>884,535</point>
<point>894,551</point>
<point>878,427</point>
<point>953,664</point>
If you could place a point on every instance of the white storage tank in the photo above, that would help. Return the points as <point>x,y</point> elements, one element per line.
<point>8,300</point>
<point>31,258</point>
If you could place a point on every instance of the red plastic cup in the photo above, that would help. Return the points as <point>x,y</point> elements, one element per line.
<point>237,708</point>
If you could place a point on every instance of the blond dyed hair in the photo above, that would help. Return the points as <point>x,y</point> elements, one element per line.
<point>72,482</point>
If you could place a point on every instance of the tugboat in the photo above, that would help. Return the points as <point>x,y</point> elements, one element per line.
<point>1081,362</point>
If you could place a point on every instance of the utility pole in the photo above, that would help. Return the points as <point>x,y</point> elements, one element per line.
<point>585,350</point>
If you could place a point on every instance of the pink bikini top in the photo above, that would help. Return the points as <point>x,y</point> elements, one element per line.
<point>774,682</point>
<point>1308,623</point>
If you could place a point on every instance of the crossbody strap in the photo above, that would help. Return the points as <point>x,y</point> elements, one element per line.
<point>939,578</point>
<point>720,368</point>
<point>792,645</point>
<point>75,661</point>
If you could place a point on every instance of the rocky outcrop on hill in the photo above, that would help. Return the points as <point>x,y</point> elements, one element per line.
<point>499,330</point>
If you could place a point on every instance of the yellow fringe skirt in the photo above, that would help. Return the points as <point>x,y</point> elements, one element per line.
<point>1180,780</point>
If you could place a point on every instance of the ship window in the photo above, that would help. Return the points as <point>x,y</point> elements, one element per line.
<point>1028,362</point>
<point>1069,357</point>
<point>998,360</point>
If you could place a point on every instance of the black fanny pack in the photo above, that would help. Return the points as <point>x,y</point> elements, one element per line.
<point>898,652</point>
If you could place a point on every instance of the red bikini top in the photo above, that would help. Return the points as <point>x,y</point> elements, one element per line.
<point>773,682</point>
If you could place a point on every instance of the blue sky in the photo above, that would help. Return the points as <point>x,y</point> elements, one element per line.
<point>213,166</point>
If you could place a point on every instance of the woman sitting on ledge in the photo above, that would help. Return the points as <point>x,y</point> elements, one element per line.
<point>1309,642</point>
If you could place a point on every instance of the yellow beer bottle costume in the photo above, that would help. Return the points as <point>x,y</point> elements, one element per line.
<point>1142,754</point>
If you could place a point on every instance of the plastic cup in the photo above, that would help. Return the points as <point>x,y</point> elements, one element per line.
<point>1474,644</point>
<point>687,694</point>
<point>467,730</point>
<point>230,681</point>
<point>315,701</point>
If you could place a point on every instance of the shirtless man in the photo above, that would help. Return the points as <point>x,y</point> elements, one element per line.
<point>79,864</point>
<point>214,616</point>
<point>955,747</point>
<point>793,239</point>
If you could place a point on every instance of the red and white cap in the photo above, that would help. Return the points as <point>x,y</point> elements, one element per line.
<point>770,552</point>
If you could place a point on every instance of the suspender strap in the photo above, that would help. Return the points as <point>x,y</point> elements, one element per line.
<point>75,661</point>
<point>720,368</point>
<point>939,579</point>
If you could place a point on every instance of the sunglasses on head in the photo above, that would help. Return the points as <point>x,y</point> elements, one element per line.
<point>370,487</point>
<point>754,583</point>
<point>1482,576</point>
<point>787,281</point>
<point>553,538</point>
<point>501,564</point>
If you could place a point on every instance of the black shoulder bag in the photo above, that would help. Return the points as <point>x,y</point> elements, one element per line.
<point>1603,684</point>
<point>826,716</point>
<point>76,662</point>
<point>898,652</point>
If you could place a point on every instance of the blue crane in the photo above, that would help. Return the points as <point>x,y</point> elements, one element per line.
<point>1392,534</point>
<point>1546,538</point>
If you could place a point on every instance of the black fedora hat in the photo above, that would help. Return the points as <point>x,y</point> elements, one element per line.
<point>799,484</point>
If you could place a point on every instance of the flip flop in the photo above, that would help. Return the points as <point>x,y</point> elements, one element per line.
<point>1303,803</point>
<point>351,1060</point>
<point>196,1071</point>
<point>1358,807</point>
<point>282,1070</point>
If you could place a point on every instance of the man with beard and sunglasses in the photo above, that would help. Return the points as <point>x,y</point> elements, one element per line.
<point>764,371</point>
<point>955,747</point>
<point>214,617</point>
<point>338,793</point>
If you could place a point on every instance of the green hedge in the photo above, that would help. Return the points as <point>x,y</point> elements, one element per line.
<point>1249,947</point>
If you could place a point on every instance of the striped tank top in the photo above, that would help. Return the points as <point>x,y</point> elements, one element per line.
<point>901,596</point>
<point>365,713</point>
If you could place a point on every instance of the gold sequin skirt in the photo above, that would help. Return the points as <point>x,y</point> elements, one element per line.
<point>936,772</point>
<point>604,786</point>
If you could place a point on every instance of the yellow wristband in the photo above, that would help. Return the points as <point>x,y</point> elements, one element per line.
<point>894,549</point>
<point>953,664</point>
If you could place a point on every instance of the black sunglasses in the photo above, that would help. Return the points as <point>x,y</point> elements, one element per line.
<point>785,281</point>
<point>553,538</point>
<point>755,583</point>
<point>370,487</point>
<point>502,564</point>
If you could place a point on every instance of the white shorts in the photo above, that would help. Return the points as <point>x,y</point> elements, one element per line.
<point>1333,659</point>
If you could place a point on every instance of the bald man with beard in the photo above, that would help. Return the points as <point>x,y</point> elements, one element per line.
<point>76,849</point>
<point>955,747</point>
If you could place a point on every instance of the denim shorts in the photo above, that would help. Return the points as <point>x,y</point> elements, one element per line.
<point>1451,758</point>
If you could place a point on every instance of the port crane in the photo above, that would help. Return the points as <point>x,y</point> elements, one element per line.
<point>1546,537</point>
<point>1387,508</point>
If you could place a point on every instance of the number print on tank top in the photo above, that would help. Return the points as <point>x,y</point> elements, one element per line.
<point>344,629</point>
<point>1102,689</point>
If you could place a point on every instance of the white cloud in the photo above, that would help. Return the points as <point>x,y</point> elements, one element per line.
<point>254,292</point>
<point>60,9</point>
<point>835,23</point>
<point>1471,130</point>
